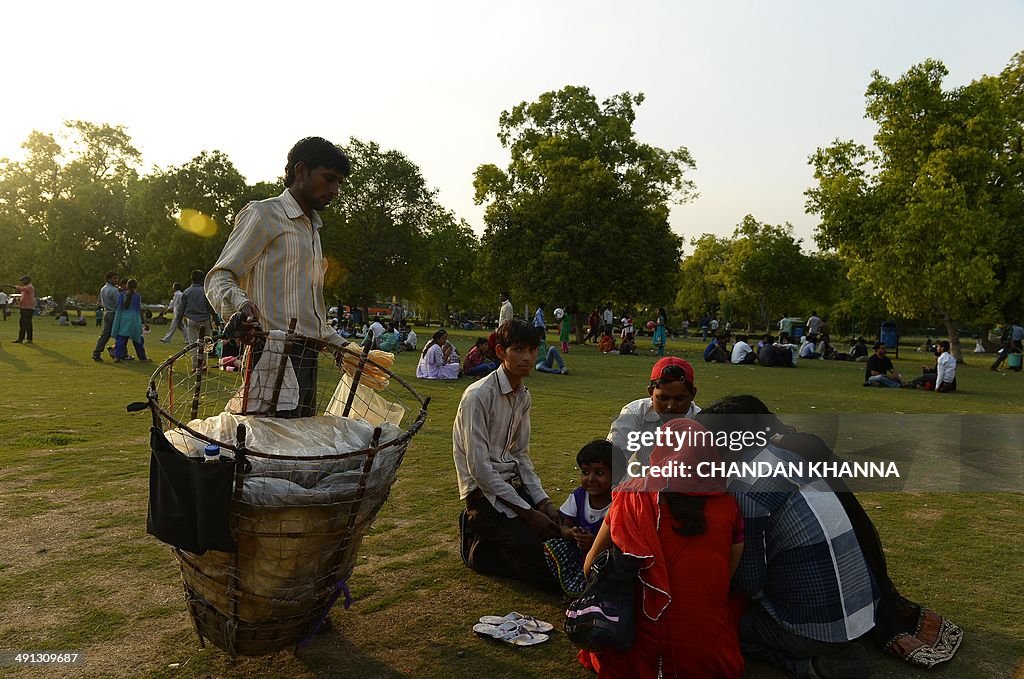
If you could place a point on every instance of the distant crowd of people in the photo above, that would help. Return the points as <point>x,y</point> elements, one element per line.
<point>789,570</point>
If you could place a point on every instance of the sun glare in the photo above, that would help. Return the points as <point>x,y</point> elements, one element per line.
<point>196,223</point>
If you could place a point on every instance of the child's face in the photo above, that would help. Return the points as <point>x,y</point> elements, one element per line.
<point>518,359</point>
<point>596,477</point>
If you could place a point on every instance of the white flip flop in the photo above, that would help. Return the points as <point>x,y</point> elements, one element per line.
<point>526,622</point>
<point>510,633</point>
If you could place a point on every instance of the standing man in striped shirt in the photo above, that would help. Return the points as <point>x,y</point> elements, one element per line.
<point>272,267</point>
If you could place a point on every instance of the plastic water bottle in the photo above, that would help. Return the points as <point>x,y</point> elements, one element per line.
<point>212,453</point>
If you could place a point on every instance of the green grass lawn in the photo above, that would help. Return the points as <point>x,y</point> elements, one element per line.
<point>77,570</point>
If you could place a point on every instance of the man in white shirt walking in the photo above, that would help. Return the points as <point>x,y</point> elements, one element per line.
<point>176,317</point>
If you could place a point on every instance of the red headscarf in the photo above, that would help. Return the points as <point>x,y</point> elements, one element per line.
<point>636,512</point>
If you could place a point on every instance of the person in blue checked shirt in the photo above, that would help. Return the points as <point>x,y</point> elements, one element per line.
<point>812,592</point>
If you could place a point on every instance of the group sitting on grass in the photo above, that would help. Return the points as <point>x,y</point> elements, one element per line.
<point>728,571</point>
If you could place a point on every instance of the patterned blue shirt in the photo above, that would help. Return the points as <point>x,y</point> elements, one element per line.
<point>801,558</point>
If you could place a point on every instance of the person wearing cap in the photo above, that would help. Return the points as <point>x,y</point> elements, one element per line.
<point>670,395</point>
<point>27,305</point>
<point>880,371</point>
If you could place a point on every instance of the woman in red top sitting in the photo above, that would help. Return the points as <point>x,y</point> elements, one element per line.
<point>688,535</point>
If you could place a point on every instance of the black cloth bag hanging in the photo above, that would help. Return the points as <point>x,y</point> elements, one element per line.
<point>189,499</point>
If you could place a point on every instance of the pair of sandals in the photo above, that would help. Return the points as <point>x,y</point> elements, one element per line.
<point>515,629</point>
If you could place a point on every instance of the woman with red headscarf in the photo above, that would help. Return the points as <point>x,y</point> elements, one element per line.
<point>687,533</point>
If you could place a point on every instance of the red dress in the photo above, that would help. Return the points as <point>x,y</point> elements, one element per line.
<point>696,635</point>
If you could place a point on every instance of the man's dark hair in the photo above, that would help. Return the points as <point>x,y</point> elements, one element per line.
<point>742,412</point>
<point>197,276</point>
<point>110,274</point>
<point>944,344</point>
<point>316,152</point>
<point>479,341</point>
<point>516,332</point>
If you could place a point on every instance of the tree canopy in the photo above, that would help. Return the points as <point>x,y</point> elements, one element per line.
<point>580,215</point>
<point>63,209</point>
<point>930,216</point>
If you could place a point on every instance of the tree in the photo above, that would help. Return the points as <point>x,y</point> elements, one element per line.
<point>762,274</point>
<point>701,276</point>
<point>63,207</point>
<point>450,254</point>
<point>376,228</point>
<point>931,216</point>
<point>169,247</point>
<point>580,215</point>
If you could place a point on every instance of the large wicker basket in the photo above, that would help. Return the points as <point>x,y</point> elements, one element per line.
<point>299,500</point>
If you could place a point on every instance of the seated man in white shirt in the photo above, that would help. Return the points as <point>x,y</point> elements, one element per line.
<point>508,515</point>
<point>374,333</point>
<point>408,338</point>
<point>742,352</point>
<point>670,395</point>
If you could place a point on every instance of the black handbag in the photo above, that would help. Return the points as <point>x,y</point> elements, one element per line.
<point>604,616</point>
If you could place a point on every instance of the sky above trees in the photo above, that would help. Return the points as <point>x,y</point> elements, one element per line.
<point>750,88</point>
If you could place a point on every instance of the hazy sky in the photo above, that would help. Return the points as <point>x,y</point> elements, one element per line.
<point>751,88</point>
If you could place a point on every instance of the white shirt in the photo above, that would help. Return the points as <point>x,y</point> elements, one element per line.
<point>175,300</point>
<point>3,298</point>
<point>505,314</point>
<point>491,443</point>
<point>946,367</point>
<point>639,416</point>
<point>569,508</point>
<point>714,324</point>
<point>813,325</point>
<point>607,316</point>
<point>411,339</point>
<point>740,351</point>
<point>376,330</point>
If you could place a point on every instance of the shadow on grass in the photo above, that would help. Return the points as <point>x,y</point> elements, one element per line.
<point>10,359</point>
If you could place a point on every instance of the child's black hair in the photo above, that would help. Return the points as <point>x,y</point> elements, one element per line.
<point>602,450</point>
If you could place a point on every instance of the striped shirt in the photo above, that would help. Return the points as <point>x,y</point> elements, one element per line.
<point>802,561</point>
<point>491,443</point>
<point>274,259</point>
